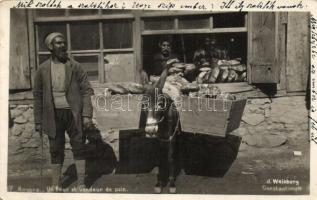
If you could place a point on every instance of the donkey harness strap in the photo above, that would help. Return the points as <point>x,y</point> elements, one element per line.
<point>174,133</point>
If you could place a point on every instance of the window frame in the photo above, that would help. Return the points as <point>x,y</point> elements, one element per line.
<point>177,30</point>
<point>245,86</point>
<point>136,17</point>
<point>68,19</point>
<point>89,55</point>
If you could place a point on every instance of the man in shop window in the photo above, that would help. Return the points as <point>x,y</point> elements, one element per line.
<point>213,50</point>
<point>62,103</point>
<point>160,59</point>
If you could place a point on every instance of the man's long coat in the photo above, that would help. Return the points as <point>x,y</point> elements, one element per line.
<point>78,95</point>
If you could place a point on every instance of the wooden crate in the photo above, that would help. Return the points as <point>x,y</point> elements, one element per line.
<point>210,116</point>
<point>118,111</point>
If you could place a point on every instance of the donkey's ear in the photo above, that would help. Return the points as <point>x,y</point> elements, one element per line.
<point>160,83</point>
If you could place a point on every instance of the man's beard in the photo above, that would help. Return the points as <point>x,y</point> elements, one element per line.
<point>166,52</point>
<point>61,55</point>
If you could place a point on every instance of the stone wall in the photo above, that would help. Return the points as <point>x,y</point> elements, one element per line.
<point>24,142</point>
<point>271,123</point>
<point>265,123</point>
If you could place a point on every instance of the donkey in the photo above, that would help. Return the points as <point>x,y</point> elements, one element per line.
<point>162,123</point>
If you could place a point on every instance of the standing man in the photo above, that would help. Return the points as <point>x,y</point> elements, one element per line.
<point>62,102</point>
<point>160,59</point>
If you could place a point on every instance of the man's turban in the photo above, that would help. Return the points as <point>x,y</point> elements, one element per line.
<point>50,37</point>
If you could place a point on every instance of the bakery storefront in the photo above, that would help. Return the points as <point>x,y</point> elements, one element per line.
<point>115,46</point>
<point>262,56</point>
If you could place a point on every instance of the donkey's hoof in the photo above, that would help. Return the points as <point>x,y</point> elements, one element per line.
<point>172,187</point>
<point>157,189</point>
<point>172,190</point>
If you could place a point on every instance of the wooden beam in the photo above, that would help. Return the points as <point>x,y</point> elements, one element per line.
<point>246,20</point>
<point>137,45</point>
<point>101,66</point>
<point>69,47</point>
<point>92,51</point>
<point>37,46</point>
<point>32,54</point>
<point>176,22</point>
<point>43,53</point>
<point>195,31</point>
<point>282,29</point>
<point>256,93</point>
<point>118,50</point>
<point>177,13</point>
<point>86,54</point>
<point>211,22</point>
<point>19,59</point>
<point>229,30</point>
<point>249,56</point>
<point>84,18</point>
<point>234,87</point>
<point>298,55</point>
<point>263,52</point>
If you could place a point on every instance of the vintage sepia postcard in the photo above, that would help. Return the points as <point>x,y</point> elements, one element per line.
<point>166,99</point>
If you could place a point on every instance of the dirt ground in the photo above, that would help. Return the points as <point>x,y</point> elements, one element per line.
<point>212,166</point>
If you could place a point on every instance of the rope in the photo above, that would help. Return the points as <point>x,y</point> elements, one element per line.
<point>174,133</point>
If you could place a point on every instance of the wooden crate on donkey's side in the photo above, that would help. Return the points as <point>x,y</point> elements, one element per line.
<point>120,112</point>
<point>215,117</point>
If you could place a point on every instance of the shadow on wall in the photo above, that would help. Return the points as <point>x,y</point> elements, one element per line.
<point>270,89</point>
<point>201,155</point>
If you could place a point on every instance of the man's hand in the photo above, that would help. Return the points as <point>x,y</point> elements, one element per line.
<point>38,128</point>
<point>87,122</point>
<point>171,61</point>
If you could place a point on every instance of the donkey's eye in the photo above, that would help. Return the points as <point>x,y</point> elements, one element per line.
<point>160,105</point>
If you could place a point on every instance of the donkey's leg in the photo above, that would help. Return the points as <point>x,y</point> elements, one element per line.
<point>163,169</point>
<point>171,163</point>
<point>181,152</point>
<point>172,129</point>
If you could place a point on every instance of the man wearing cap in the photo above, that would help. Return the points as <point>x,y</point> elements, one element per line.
<point>160,59</point>
<point>62,102</point>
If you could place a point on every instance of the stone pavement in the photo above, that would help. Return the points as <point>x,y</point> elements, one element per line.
<point>271,143</point>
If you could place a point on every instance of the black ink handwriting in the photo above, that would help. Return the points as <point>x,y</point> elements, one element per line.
<point>99,5</point>
<point>24,4</point>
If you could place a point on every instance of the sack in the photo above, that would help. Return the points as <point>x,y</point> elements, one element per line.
<point>117,89</point>
<point>172,90</point>
<point>191,87</point>
<point>133,88</point>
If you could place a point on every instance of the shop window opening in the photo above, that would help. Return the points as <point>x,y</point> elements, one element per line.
<point>218,57</point>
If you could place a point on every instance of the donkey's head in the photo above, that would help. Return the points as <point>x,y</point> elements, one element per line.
<point>156,106</point>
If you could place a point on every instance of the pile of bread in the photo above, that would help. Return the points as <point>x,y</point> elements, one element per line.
<point>200,83</point>
<point>176,86</point>
<point>221,71</point>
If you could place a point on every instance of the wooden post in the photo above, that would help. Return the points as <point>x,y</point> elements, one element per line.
<point>297,65</point>
<point>19,63</point>
<point>101,66</point>
<point>282,31</point>
<point>137,46</point>
<point>249,23</point>
<point>31,44</point>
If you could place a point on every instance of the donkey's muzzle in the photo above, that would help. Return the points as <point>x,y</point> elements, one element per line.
<point>151,127</point>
